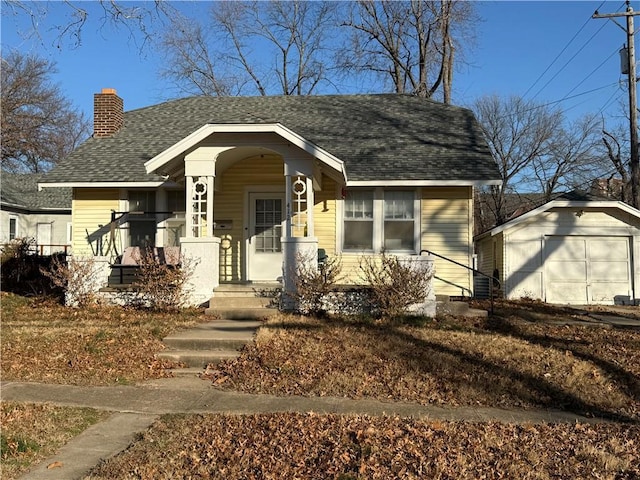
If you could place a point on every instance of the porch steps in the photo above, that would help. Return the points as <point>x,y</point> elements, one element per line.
<point>250,301</point>
<point>446,306</point>
<point>240,309</point>
<point>208,343</point>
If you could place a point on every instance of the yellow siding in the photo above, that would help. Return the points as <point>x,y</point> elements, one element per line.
<point>324,215</point>
<point>229,204</point>
<point>446,229</point>
<point>91,209</point>
<point>446,222</point>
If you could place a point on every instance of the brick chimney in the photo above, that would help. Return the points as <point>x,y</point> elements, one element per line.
<point>108,113</point>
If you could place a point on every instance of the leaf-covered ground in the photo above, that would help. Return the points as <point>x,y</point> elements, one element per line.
<point>278,446</point>
<point>45,342</point>
<point>505,361</point>
<point>30,433</point>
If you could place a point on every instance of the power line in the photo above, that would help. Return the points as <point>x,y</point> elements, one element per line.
<point>592,72</point>
<point>559,54</point>
<point>569,61</point>
<point>542,105</point>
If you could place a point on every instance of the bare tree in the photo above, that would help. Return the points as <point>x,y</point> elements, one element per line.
<point>410,43</point>
<point>39,125</point>
<point>252,47</point>
<point>572,161</point>
<point>519,133</point>
<point>617,182</point>
<point>138,19</point>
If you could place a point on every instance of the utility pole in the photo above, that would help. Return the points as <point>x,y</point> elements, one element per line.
<point>633,110</point>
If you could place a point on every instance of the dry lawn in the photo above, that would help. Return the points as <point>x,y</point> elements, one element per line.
<point>515,359</point>
<point>46,342</point>
<point>31,433</point>
<point>505,361</point>
<point>279,446</point>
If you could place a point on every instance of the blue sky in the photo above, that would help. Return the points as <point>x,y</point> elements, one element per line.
<point>516,41</point>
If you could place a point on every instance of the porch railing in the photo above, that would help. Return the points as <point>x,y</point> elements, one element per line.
<point>492,280</point>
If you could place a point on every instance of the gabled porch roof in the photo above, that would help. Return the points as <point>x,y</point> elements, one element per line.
<point>161,164</point>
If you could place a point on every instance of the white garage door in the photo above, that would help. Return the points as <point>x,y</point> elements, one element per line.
<point>585,270</point>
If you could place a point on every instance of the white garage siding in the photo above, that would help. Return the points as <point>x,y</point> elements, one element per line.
<point>586,270</point>
<point>569,252</point>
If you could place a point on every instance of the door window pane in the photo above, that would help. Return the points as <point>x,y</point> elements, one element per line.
<point>268,225</point>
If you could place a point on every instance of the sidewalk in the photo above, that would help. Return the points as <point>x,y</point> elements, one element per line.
<point>136,407</point>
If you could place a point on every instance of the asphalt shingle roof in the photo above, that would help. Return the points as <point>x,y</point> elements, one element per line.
<point>21,190</point>
<point>379,137</point>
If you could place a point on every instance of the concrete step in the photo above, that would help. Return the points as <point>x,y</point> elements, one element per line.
<point>218,335</point>
<point>198,358</point>
<point>209,342</point>
<point>266,290</point>
<point>241,313</point>
<point>241,302</point>
<point>187,372</point>
<point>205,344</point>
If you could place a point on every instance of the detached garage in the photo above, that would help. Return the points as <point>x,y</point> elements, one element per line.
<point>567,251</point>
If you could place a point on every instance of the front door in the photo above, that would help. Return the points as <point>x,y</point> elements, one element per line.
<point>266,221</point>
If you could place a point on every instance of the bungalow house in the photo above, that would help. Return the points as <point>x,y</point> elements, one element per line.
<point>27,212</point>
<point>576,249</point>
<point>249,185</point>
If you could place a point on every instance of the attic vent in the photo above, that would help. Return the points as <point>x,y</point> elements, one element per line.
<point>108,113</point>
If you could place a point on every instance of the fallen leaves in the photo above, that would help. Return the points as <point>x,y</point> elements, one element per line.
<point>508,363</point>
<point>45,342</point>
<point>284,445</point>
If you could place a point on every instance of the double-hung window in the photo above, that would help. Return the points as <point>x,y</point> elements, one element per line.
<point>399,220</point>
<point>358,220</point>
<point>379,219</point>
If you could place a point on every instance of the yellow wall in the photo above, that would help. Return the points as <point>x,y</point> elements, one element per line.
<point>325,217</point>
<point>446,222</point>
<point>447,226</point>
<point>446,229</point>
<point>90,209</point>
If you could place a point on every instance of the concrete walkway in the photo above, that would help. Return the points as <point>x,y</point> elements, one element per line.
<point>136,407</point>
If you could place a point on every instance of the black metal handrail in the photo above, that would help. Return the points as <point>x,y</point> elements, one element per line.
<point>490,277</point>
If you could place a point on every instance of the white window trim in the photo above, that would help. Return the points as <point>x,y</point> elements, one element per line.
<point>378,223</point>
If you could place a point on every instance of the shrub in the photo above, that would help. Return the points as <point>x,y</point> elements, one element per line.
<point>160,285</point>
<point>312,285</point>
<point>395,284</point>
<point>22,269</point>
<point>78,278</point>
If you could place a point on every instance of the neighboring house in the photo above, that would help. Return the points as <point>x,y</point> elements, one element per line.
<point>577,249</point>
<point>249,184</point>
<point>42,215</point>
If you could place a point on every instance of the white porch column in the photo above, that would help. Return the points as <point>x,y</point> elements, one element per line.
<point>310,204</point>
<point>199,247</point>
<point>203,255</point>
<point>298,248</point>
<point>200,173</point>
<point>288,205</point>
